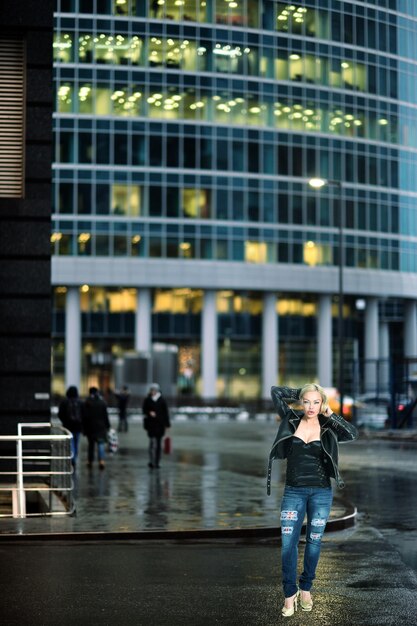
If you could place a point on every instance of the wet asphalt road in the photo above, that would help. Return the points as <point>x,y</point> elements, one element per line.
<point>365,575</point>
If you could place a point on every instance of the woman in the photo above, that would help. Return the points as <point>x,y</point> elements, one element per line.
<point>308,439</point>
<point>156,421</point>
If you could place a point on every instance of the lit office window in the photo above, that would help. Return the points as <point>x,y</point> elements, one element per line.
<point>288,306</point>
<point>125,200</point>
<point>124,7</point>
<point>196,202</point>
<point>121,300</point>
<point>178,301</point>
<point>255,252</point>
<point>317,254</point>
<point>63,48</point>
<point>187,10</point>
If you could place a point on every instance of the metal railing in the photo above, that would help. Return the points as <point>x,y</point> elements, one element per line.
<point>42,468</point>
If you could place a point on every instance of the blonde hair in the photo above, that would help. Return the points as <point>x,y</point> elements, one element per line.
<point>313,387</point>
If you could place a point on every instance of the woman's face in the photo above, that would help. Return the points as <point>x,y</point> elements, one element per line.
<point>312,403</point>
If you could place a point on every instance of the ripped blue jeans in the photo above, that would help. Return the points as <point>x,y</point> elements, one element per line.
<point>296,502</point>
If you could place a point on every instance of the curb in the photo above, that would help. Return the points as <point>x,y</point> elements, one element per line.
<point>250,533</point>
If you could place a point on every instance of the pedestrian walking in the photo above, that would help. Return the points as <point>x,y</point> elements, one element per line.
<point>69,412</point>
<point>122,397</point>
<point>96,425</point>
<point>155,421</point>
<point>308,439</point>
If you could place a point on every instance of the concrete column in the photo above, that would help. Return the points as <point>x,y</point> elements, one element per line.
<point>143,321</point>
<point>371,344</point>
<point>269,344</point>
<point>410,328</point>
<point>324,342</point>
<point>209,345</point>
<point>72,338</point>
<point>384,354</point>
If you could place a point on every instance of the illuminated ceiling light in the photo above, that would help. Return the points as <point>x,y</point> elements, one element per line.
<point>232,103</point>
<point>184,245</point>
<point>170,42</point>
<point>294,57</point>
<point>282,18</point>
<point>345,65</point>
<point>136,238</point>
<point>150,100</point>
<point>216,98</point>
<point>157,96</point>
<point>317,183</point>
<point>233,5</point>
<point>357,123</point>
<point>176,98</point>
<point>383,122</point>
<point>199,104</point>
<point>84,237</point>
<point>310,244</point>
<point>56,237</point>
<point>337,120</point>
<point>349,117</point>
<point>286,109</point>
<point>179,3</point>
<point>240,100</point>
<point>201,50</point>
<point>85,288</point>
<point>308,112</point>
<point>298,106</point>
<point>193,106</point>
<point>254,110</point>
<point>277,112</point>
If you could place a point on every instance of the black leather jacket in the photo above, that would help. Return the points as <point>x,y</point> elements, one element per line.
<point>332,430</point>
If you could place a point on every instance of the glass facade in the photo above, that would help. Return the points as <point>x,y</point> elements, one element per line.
<point>188,129</point>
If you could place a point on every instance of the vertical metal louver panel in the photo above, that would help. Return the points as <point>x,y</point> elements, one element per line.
<point>12,117</point>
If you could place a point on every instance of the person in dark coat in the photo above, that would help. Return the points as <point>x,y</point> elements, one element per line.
<point>96,425</point>
<point>69,412</point>
<point>156,421</point>
<point>122,397</point>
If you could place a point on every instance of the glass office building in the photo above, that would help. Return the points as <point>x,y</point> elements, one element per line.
<point>186,133</point>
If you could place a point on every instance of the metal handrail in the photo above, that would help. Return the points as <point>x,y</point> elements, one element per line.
<point>56,486</point>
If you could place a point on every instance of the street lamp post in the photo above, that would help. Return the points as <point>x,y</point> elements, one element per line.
<point>318,183</point>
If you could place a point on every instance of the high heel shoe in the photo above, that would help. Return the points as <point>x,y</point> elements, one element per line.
<point>305,606</point>
<point>290,611</point>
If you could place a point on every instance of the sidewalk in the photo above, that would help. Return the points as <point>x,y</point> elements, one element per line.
<point>215,479</point>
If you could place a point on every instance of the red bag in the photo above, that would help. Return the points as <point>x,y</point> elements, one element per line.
<point>167,445</point>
